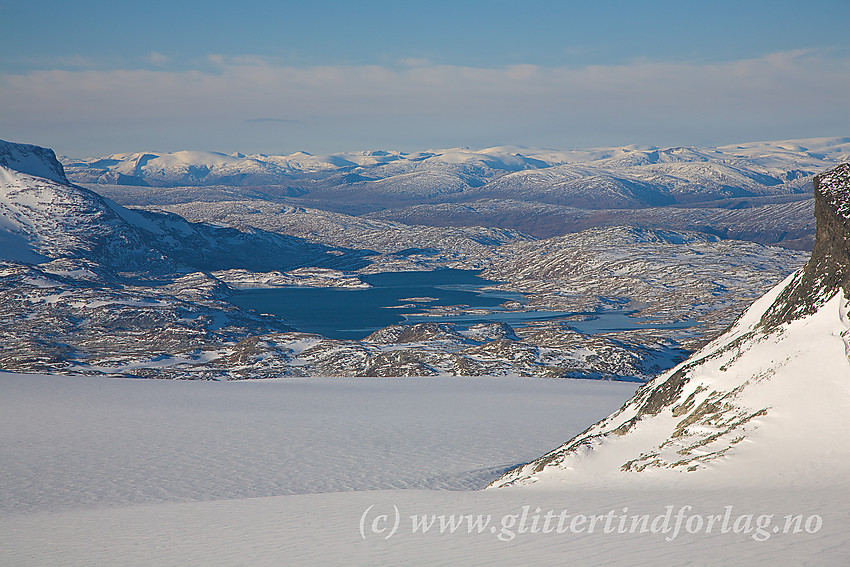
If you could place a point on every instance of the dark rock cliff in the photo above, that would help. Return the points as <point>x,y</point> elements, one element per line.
<point>828,269</point>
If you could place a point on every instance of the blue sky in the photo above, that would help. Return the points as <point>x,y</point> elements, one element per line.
<point>89,77</point>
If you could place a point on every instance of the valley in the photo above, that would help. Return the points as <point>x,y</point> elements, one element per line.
<point>160,265</point>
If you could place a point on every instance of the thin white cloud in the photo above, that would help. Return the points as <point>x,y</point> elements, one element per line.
<point>782,90</point>
<point>156,58</point>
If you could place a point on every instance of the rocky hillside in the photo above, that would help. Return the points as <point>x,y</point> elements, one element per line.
<point>785,222</point>
<point>765,402</point>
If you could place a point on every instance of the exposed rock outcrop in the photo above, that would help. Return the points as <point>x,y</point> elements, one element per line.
<point>828,269</point>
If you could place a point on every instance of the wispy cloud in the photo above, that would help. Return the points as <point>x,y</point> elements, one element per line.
<point>283,120</point>
<point>414,62</point>
<point>156,58</point>
<point>643,102</point>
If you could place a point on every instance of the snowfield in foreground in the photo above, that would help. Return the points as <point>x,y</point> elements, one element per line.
<point>69,442</point>
<point>97,471</point>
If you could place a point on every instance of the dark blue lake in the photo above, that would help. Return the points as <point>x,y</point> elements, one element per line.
<point>355,313</point>
<point>397,297</point>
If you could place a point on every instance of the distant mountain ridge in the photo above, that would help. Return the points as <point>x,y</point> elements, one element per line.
<point>621,177</point>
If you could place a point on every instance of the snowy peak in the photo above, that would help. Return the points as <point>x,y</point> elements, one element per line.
<point>764,403</point>
<point>190,168</point>
<point>32,160</point>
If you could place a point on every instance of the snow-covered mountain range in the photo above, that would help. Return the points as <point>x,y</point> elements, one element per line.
<point>539,192</point>
<point>598,178</point>
<point>89,285</point>
<point>766,401</point>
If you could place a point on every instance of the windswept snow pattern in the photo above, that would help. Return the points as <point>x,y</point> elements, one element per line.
<point>94,441</point>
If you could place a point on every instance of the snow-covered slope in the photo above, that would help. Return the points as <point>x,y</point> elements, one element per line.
<point>32,160</point>
<point>51,219</point>
<point>765,402</point>
<point>104,472</point>
<point>45,217</point>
